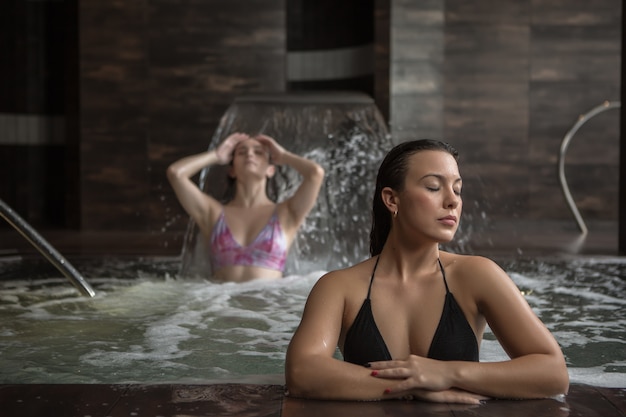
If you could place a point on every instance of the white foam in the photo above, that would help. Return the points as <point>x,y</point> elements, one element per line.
<point>151,328</point>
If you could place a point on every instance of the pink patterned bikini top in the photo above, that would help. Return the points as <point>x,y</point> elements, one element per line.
<point>268,250</point>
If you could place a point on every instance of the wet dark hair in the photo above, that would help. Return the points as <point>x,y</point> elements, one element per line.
<point>271,188</point>
<point>392,174</point>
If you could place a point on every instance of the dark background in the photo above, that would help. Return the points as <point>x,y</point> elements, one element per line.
<point>97,97</point>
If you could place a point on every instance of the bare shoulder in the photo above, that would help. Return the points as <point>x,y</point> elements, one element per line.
<point>474,271</point>
<point>470,263</point>
<point>344,280</point>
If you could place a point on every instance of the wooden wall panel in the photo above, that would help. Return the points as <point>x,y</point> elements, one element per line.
<point>156,76</point>
<point>417,45</point>
<point>514,78</point>
<point>202,57</point>
<point>501,80</point>
<point>575,66</point>
<point>113,118</point>
<point>486,102</point>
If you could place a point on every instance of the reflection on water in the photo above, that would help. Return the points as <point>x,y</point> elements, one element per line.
<point>144,325</point>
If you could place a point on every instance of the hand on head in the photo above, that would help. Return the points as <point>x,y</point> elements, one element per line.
<point>225,150</point>
<point>276,151</point>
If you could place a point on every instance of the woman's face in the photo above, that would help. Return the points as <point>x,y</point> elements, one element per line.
<point>430,204</point>
<point>250,157</point>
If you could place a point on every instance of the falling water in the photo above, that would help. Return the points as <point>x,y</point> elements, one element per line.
<point>346,134</point>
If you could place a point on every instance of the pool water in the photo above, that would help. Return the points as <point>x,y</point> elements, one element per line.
<point>146,326</point>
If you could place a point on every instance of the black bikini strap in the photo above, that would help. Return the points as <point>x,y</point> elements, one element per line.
<point>372,279</point>
<point>443,272</point>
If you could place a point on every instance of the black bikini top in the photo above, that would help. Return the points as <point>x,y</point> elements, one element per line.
<point>454,338</point>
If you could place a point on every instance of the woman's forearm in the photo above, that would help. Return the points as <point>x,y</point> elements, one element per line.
<point>332,379</point>
<point>305,167</point>
<point>191,165</point>
<point>530,376</point>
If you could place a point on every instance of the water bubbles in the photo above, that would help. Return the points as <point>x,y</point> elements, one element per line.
<point>144,326</point>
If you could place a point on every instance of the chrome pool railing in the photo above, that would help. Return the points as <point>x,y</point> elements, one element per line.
<point>46,249</point>
<point>607,105</point>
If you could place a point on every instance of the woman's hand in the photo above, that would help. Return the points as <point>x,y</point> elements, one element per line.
<point>415,372</point>
<point>276,151</point>
<point>422,378</point>
<point>224,151</point>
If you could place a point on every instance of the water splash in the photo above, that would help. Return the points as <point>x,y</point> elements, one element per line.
<point>347,135</point>
<point>145,326</point>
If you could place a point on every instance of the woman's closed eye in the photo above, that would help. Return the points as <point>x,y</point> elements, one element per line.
<point>456,191</point>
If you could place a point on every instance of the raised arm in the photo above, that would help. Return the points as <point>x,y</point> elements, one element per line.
<point>303,200</point>
<point>196,203</point>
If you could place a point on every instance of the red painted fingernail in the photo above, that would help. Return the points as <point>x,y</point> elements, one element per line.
<point>374,373</point>
<point>387,391</point>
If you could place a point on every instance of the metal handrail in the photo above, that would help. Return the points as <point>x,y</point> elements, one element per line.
<point>607,105</point>
<point>46,249</point>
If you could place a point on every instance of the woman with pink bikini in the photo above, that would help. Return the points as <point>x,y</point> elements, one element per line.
<point>250,235</point>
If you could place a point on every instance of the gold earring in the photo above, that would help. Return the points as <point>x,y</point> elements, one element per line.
<point>395,213</point>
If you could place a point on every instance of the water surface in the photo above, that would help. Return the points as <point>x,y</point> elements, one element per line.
<point>146,326</point>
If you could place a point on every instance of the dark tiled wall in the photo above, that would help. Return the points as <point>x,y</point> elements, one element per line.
<point>574,67</point>
<point>504,81</point>
<point>156,76</point>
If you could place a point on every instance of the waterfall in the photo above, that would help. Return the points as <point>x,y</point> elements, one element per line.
<point>343,132</point>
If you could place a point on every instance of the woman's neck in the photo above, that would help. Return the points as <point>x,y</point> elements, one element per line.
<point>407,261</point>
<point>250,195</point>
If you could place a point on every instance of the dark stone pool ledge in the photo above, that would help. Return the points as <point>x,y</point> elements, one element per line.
<point>252,400</point>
